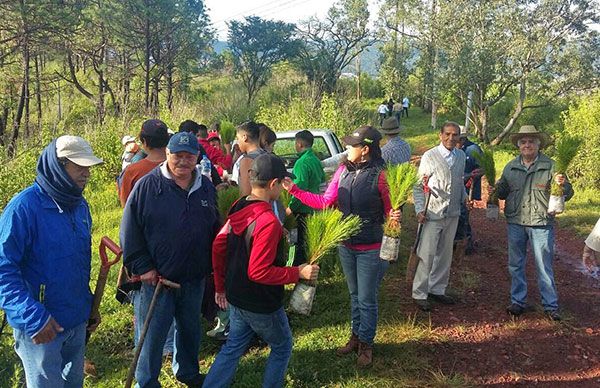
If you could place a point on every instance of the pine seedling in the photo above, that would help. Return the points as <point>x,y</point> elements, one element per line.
<point>225,199</point>
<point>325,230</point>
<point>401,179</point>
<point>566,149</point>
<point>486,161</point>
<point>227,131</point>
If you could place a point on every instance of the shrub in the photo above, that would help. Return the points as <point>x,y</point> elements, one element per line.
<point>583,120</point>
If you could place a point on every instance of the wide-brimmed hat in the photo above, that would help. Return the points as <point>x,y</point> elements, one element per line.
<point>391,126</point>
<point>530,131</point>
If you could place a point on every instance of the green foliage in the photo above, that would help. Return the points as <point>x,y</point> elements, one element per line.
<point>227,132</point>
<point>582,120</point>
<point>486,161</point>
<point>401,178</point>
<point>226,198</point>
<point>300,113</point>
<point>257,45</point>
<point>565,150</point>
<point>325,230</point>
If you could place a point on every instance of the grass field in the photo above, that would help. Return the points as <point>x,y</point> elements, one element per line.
<point>400,359</point>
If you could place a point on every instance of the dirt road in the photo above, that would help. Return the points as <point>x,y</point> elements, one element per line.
<point>489,348</point>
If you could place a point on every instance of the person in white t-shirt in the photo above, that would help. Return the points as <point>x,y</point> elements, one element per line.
<point>383,111</point>
<point>591,250</point>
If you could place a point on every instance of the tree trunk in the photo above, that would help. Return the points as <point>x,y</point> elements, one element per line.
<point>147,66</point>
<point>3,124</point>
<point>12,148</point>
<point>358,77</point>
<point>483,123</point>
<point>38,93</point>
<point>169,76</point>
<point>59,102</point>
<point>515,116</point>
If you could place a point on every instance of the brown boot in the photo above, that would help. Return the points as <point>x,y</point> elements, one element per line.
<point>351,346</point>
<point>365,355</point>
<point>89,368</point>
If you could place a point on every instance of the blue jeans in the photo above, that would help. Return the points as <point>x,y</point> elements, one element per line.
<point>542,244</point>
<point>364,271</point>
<point>184,305</point>
<point>273,328</point>
<point>56,364</point>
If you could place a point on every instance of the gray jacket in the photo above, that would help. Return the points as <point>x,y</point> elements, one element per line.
<point>527,191</point>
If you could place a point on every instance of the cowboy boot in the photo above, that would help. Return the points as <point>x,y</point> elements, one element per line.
<point>351,346</point>
<point>365,355</point>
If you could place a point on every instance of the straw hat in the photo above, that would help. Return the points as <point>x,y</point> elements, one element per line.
<point>530,131</point>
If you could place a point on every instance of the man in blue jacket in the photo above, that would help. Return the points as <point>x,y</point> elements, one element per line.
<point>169,223</point>
<point>45,254</point>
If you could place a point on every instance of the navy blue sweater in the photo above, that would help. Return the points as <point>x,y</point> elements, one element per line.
<point>167,228</point>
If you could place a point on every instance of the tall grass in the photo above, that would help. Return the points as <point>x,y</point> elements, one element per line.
<point>225,199</point>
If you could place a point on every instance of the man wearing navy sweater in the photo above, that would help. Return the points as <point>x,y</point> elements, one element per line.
<point>169,223</point>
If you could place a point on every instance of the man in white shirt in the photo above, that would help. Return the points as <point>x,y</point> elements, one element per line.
<point>405,105</point>
<point>383,111</point>
<point>444,166</point>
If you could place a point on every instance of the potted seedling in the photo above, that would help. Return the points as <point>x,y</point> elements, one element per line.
<point>401,179</point>
<point>566,149</point>
<point>324,231</point>
<point>485,159</point>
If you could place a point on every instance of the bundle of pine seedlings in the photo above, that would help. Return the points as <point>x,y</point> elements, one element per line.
<point>401,179</point>
<point>225,199</point>
<point>227,132</point>
<point>485,159</point>
<point>565,151</point>
<point>325,230</point>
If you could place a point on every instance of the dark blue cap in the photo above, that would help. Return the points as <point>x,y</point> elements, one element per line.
<point>183,142</point>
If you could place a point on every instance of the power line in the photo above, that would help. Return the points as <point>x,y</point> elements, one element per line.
<point>282,6</point>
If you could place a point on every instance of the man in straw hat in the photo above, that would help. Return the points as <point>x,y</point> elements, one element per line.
<point>525,185</point>
<point>395,150</point>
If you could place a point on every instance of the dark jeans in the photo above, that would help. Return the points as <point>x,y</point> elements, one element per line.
<point>300,248</point>
<point>405,111</point>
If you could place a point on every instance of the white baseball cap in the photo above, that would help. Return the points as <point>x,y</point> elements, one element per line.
<point>127,139</point>
<point>76,150</point>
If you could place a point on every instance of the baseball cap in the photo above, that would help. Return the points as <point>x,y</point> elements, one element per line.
<point>270,166</point>
<point>213,135</point>
<point>127,139</point>
<point>76,150</point>
<point>155,128</point>
<point>183,142</point>
<point>363,135</point>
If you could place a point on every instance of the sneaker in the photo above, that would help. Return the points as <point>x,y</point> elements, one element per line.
<point>221,328</point>
<point>515,309</point>
<point>423,304</point>
<point>553,315</point>
<point>443,299</point>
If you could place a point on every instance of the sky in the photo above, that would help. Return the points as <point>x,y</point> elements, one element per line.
<point>291,11</point>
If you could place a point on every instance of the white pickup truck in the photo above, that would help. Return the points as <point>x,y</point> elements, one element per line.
<point>326,146</point>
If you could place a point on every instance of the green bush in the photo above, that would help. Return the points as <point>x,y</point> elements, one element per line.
<point>583,120</point>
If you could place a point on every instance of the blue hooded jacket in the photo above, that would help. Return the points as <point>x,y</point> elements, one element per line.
<point>46,240</point>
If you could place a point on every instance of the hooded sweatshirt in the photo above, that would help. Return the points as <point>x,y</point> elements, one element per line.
<point>250,270</point>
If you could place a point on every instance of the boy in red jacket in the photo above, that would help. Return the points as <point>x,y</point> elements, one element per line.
<point>250,274</point>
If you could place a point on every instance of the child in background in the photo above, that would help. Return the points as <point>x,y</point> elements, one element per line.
<point>131,148</point>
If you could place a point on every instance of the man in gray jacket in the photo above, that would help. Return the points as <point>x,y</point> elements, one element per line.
<point>525,185</point>
<point>443,167</point>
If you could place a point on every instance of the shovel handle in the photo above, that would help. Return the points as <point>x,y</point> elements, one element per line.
<point>106,242</point>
